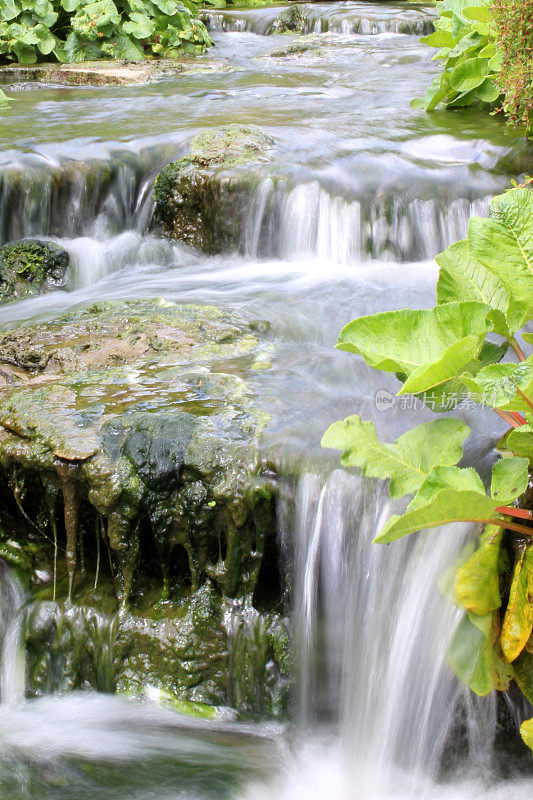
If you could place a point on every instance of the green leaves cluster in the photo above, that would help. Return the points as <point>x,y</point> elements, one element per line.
<point>444,355</point>
<point>86,30</point>
<point>464,36</point>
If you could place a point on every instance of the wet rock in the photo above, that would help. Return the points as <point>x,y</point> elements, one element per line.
<point>202,198</point>
<point>309,47</point>
<point>291,20</point>
<point>105,72</point>
<point>132,480</point>
<point>31,267</point>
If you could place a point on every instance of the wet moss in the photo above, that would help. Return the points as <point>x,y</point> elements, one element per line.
<point>202,198</point>
<point>30,267</point>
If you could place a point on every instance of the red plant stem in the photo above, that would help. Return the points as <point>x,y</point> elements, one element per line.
<point>525,398</point>
<point>523,513</point>
<point>518,417</point>
<point>516,347</point>
<point>507,416</point>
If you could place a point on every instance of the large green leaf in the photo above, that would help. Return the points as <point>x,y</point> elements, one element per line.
<point>469,74</point>
<point>455,495</point>
<point>139,25</point>
<point>477,586</point>
<point>447,506</point>
<point>518,620</point>
<point>504,242</point>
<point>408,461</point>
<point>463,277</point>
<point>428,346</point>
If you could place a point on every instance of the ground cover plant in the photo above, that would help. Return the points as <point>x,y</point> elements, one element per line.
<point>445,356</point>
<point>78,30</point>
<point>486,51</point>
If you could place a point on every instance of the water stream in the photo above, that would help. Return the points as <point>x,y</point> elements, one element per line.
<point>360,196</point>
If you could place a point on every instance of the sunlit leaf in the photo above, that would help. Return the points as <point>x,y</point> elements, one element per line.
<point>407,461</point>
<point>477,586</point>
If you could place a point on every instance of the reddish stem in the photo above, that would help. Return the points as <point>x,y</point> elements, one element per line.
<point>523,513</point>
<point>509,418</point>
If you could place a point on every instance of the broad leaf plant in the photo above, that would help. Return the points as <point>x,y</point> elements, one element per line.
<point>451,353</point>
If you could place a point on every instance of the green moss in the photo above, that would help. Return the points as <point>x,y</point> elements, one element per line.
<point>29,267</point>
<point>202,198</point>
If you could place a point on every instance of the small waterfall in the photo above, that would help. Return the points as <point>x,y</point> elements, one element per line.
<point>12,659</point>
<point>372,632</point>
<point>77,198</point>
<point>307,221</point>
<point>319,20</point>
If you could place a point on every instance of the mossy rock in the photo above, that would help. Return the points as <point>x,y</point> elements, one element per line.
<point>137,503</point>
<point>202,199</point>
<point>132,414</point>
<point>30,267</point>
<point>291,20</point>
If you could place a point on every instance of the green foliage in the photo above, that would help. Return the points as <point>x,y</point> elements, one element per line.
<point>471,61</point>
<point>484,289</point>
<point>513,31</point>
<point>78,30</point>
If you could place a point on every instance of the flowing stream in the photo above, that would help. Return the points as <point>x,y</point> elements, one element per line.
<point>361,194</point>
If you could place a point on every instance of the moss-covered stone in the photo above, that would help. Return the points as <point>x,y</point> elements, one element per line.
<point>132,481</point>
<point>30,267</point>
<point>202,198</point>
<point>291,20</point>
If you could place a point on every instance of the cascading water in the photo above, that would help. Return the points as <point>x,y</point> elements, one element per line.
<point>12,667</point>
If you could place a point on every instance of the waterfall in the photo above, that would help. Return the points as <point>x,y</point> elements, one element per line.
<point>308,221</point>
<point>12,661</point>
<point>372,631</point>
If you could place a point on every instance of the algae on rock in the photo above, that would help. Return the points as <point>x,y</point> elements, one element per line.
<point>30,267</point>
<point>132,477</point>
<point>202,199</point>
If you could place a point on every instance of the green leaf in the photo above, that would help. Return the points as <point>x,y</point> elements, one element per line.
<point>477,585</point>
<point>139,25</point>
<point>469,74</point>
<point>481,13</point>
<point>443,369</point>
<point>446,477</point>
<point>122,46</point>
<point>504,242</point>
<point>526,732</point>
<point>4,100</point>
<point>518,620</point>
<point>447,506</point>
<point>488,92</point>
<point>79,49</point>
<point>25,53</point>
<point>497,385</point>
<point>433,344</point>
<point>473,657</point>
<point>520,441</point>
<point>408,461</point>
<point>510,478</point>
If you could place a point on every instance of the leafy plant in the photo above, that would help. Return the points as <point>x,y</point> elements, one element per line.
<point>81,30</point>
<point>464,36</point>
<point>443,356</point>
<point>513,26</point>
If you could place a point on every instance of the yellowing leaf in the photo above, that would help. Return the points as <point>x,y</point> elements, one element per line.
<point>477,586</point>
<point>518,620</point>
